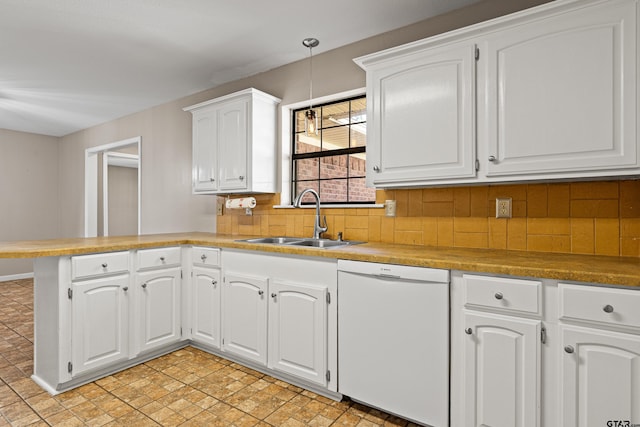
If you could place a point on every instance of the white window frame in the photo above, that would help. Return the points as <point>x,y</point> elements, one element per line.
<point>286,145</point>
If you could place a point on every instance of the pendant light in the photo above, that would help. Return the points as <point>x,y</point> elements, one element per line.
<point>310,116</point>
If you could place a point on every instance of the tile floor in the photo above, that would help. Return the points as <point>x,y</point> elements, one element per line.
<point>185,388</point>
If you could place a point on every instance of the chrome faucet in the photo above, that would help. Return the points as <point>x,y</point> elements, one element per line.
<point>317,228</point>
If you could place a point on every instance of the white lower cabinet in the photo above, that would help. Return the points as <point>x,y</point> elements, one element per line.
<point>245,317</point>
<point>502,370</point>
<point>280,312</point>
<point>600,356</point>
<point>159,308</point>
<point>298,330</point>
<point>99,323</point>
<point>600,378</point>
<point>205,285</point>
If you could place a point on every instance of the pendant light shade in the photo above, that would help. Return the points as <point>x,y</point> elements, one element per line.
<point>310,116</point>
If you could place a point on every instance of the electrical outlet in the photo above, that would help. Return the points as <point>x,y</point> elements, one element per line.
<point>503,207</point>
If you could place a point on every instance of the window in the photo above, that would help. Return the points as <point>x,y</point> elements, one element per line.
<point>333,162</point>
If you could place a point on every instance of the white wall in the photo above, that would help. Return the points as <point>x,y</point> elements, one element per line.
<point>28,192</point>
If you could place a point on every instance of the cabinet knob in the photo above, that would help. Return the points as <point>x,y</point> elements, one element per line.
<point>376,168</point>
<point>126,288</point>
<point>273,295</point>
<point>241,178</point>
<point>214,282</point>
<point>492,159</point>
<point>212,179</point>
<point>569,349</point>
<point>203,257</point>
<point>499,295</point>
<point>144,286</point>
<point>261,292</point>
<point>468,331</point>
<point>104,265</point>
<point>608,308</point>
<point>162,258</point>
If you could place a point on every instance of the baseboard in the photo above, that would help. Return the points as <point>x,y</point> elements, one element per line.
<point>16,277</point>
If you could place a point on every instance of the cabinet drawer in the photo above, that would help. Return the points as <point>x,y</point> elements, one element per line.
<point>99,264</point>
<point>160,257</point>
<point>209,257</point>
<point>610,306</point>
<point>502,293</point>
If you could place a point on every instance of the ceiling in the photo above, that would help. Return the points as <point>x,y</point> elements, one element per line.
<point>66,65</point>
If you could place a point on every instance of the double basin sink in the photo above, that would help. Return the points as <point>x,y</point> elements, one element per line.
<point>301,242</point>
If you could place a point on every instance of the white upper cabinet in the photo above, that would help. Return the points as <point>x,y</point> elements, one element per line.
<point>234,144</point>
<point>421,105</point>
<point>560,93</point>
<point>553,93</point>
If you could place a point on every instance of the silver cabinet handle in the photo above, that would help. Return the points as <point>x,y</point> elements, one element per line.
<point>162,258</point>
<point>273,295</point>
<point>492,159</point>
<point>376,168</point>
<point>499,295</point>
<point>608,308</point>
<point>104,265</point>
<point>126,288</point>
<point>569,349</point>
<point>214,282</point>
<point>261,292</point>
<point>144,286</point>
<point>212,179</point>
<point>203,257</point>
<point>468,331</point>
<point>241,178</point>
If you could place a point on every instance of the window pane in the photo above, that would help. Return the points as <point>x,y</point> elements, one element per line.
<point>306,169</point>
<point>333,191</point>
<point>358,192</point>
<point>359,110</point>
<point>335,115</point>
<point>357,165</point>
<point>333,167</point>
<point>335,138</point>
<point>300,186</point>
<point>307,144</point>
<point>336,169</point>
<point>359,135</point>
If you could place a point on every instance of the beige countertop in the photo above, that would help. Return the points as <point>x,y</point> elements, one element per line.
<point>581,268</point>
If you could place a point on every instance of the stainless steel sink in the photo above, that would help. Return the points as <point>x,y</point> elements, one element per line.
<point>301,241</point>
<point>273,240</point>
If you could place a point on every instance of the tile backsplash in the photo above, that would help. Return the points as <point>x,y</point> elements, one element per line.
<point>601,218</point>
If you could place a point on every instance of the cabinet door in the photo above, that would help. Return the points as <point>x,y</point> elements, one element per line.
<point>159,308</point>
<point>245,317</point>
<point>100,323</point>
<point>502,371</point>
<point>298,330</point>
<point>560,93</point>
<point>421,117</point>
<point>233,139</point>
<point>600,378</point>
<point>206,306</point>
<point>205,151</point>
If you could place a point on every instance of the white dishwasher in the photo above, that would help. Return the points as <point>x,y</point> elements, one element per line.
<point>393,339</point>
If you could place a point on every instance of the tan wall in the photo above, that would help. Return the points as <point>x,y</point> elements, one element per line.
<point>28,192</point>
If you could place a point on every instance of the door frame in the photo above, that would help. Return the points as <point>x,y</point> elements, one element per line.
<point>91,183</point>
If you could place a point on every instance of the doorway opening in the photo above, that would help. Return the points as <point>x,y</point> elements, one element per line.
<point>112,189</point>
